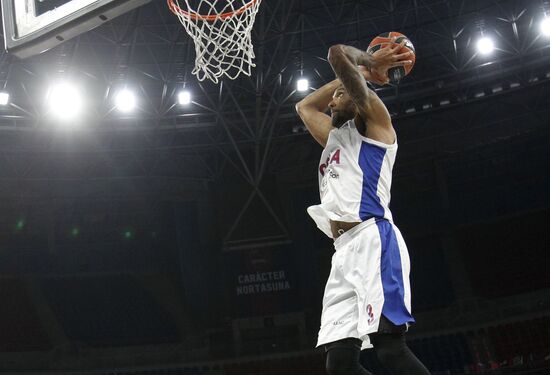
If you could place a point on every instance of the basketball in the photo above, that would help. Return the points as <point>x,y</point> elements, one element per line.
<point>382,40</point>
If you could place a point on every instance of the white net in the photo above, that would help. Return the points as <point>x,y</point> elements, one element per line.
<point>222,31</point>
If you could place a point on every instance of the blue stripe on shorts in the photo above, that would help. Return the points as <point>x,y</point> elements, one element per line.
<point>392,276</point>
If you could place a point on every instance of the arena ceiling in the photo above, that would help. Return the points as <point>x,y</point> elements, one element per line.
<point>248,126</point>
<point>148,50</point>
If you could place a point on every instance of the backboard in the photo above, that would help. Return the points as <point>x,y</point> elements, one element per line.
<point>34,26</point>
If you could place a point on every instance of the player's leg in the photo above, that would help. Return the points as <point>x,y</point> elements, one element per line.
<point>339,316</point>
<point>343,357</point>
<point>393,352</point>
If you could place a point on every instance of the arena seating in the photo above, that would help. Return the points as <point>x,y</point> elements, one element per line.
<point>521,341</point>
<point>117,310</point>
<point>504,346</point>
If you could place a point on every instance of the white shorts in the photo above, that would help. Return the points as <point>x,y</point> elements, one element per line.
<point>369,277</point>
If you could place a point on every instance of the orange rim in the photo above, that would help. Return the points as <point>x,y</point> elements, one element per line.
<point>211,17</point>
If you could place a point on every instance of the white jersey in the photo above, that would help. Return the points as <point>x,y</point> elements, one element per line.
<point>355,175</point>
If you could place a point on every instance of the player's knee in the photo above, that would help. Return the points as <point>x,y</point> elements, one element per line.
<point>343,357</point>
<point>338,367</point>
<point>339,364</point>
<point>392,352</point>
<point>388,356</point>
<point>400,360</point>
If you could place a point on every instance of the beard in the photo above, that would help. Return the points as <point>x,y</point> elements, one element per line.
<point>339,118</point>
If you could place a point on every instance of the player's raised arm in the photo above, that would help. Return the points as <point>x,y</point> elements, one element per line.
<point>346,62</point>
<point>312,110</point>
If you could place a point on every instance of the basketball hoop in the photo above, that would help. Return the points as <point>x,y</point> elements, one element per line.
<point>222,35</point>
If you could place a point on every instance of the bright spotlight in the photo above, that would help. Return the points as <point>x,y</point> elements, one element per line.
<point>545,26</point>
<point>302,84</point>
<point>65,101</point>
<point>125,101</point>
<point>485,45</point>
<point>4,98</point>
<point>184,97</point>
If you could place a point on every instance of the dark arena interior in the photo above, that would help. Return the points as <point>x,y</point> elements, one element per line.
<point>168,233</point>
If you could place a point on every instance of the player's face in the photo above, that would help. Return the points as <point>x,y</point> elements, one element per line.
<point>341,107</point>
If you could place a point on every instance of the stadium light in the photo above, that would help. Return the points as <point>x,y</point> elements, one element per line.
<point>128,234</point>
<point>302,85</point>
<point>20,224</point>
<point>545,26</point>
<point>65,101</point>
<point>184,97</point>
<point>125,101</point>
<point>4,98</point>
<point>485,45</point>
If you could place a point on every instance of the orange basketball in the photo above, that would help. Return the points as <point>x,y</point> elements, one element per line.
<point>383,40</point>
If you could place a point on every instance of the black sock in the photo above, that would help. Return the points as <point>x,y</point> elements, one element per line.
<point>396,356</point>
<point>343,358</point>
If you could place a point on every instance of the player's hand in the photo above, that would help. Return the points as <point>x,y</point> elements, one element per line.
<point>388,57</point>
<point>378,76</point>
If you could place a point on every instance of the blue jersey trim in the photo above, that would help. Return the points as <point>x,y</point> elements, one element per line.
<point>371,158</point>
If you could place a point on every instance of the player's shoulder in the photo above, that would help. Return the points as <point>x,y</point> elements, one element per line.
<point>344,135</point>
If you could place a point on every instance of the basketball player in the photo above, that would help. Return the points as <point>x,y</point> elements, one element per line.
<point>367,295</point>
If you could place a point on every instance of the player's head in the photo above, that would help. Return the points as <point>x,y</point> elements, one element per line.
<point>342,108</point>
